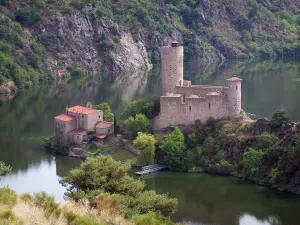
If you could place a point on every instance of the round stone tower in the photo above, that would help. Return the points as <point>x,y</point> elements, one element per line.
<point>234,96</point>
<point>171,67</point>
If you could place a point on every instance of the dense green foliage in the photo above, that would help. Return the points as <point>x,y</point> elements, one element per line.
<point>108,114</point>
<point>100,175</point>
<point>145,143</point>
<point>4,169</point>
<point>103,173</point>
<point>264,152</point>
<point>138,123</point>
<point>246,29</point>
<point>140,106</point>
<point>151,219</point>
<point>255,28</point>
<point>252,160</point>
<point>175,150</point>
<point>23,71</point>
<point>279,119</point>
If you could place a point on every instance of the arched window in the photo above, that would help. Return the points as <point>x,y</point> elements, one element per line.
<point>190,108</point>
<point>208,105</point>
<point>236,87</point>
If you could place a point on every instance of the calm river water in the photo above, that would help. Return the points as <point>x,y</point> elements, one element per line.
<point>203,199</point>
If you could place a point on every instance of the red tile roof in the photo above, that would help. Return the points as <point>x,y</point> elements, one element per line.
<point>234,79</point>
<point>81,110</point>
<point>100,136</point>
<point>79,131</point>
<point>104,124</point>
<point>65,117</point>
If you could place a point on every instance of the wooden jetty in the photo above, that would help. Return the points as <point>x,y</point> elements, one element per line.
<point>150,169</point>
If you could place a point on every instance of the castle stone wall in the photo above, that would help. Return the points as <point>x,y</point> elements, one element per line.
<point>171,68</point>
<point>183,103</point>
<point>175,111</point>
<point>200,90</point>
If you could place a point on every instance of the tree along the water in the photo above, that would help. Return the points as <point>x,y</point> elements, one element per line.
<point>145,143</point>
<point>103,174</point>
<point>175,150</point>
<point>4,169</point>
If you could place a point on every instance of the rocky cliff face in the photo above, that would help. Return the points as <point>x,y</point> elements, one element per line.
<point>98,45</point>
<point>117,38</point>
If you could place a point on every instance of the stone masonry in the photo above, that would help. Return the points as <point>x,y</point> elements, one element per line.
<point>183,103</point>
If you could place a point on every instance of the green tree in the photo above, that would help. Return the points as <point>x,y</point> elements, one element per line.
<point>175,150</point>
<point>28,15</point>
<point>102,173</point>
<point>151,219</point>
<point>145,143</point>
<point>252,161</point>
<point>108,115</point>
<point>140,106</point>
<point>99,176</point>
<point>4,169</point>
<point>149,201</point>
<point>266,140</point>
<point>280,118</point>
<point>133,125</point>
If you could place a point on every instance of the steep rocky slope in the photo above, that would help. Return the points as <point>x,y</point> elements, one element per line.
<point>117,38</point>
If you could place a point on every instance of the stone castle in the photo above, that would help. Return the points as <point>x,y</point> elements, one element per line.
<point>183,103</point>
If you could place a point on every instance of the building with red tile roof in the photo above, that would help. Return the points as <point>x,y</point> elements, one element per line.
<point>74,124</point>
<point>81,110</point>
<point>65,117</point>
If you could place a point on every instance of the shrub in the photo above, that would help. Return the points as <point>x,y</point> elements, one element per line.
<point>103,173</point>
<point>7,214</point>
<point>266,140</point>
<point>5,47</point>
<point>273,176</point>
<point>4,169</point>
<point>26,197</point>
<point>77,71</point>
<point>86,221</point>
<point>149,201</point>
<point>28,15</point>
<point>34,60</point>
<point>222,168</point>
<point>113,204</point>
<point>252,161</point>
<point>151,219</point>
<point>47,203</point>
<point>8,197</point>
<point>279,118</point>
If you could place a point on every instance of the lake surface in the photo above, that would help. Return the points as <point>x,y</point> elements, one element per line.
<point>204,199</point>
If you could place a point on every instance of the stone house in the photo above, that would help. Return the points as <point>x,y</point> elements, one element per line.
<point>183,103</point>
<point>73,126</point>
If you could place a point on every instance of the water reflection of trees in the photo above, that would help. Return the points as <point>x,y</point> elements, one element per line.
<point>30,113</point>
<point>222,200</point>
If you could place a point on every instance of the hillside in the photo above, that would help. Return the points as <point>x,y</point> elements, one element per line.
<point>42,39</point>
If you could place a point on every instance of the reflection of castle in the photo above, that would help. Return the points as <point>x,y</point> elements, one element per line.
<point>183,103</point>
